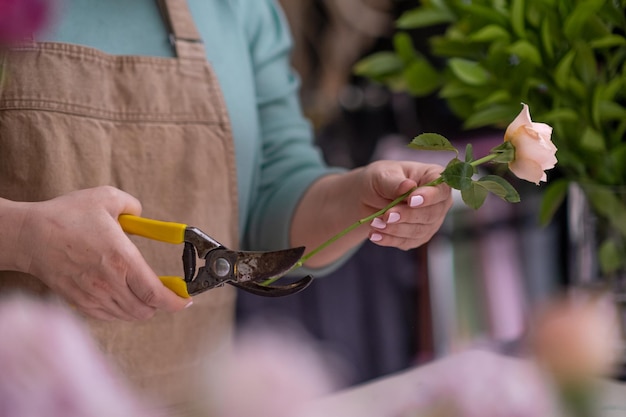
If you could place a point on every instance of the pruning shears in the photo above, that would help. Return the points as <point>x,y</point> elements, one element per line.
<point>247,270</point>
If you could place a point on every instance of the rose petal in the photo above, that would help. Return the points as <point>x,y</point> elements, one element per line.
<point>522,119</point>
<point>528,170</point>
<point>534,150</point>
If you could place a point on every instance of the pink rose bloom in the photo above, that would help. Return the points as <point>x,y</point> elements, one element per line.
<point>49,366</point>
<point>20,19</point>
<point>578,338</point>
<point>534,150</point>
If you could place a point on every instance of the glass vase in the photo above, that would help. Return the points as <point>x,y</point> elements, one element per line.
<point>597,247</point>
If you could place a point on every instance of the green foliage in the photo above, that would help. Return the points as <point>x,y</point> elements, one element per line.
<point>565,59</point>
<point>461,174</point>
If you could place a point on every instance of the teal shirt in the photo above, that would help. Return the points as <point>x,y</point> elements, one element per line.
<point>248,44</point>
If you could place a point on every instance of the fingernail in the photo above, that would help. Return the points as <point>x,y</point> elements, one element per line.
<point>189,304</point>
<point>416,200</point>
<point>393,217</point>
<point>378,223</point>
<point>376,237</point>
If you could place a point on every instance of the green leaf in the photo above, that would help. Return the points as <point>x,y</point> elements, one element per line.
<point>500,187</point>
<point>496,115</point>
<point>423,17</point>
<point>592,140</point>
<point>607,203</point>
<point>585,63</point>
<point>497,97</point>
<point>526,52</point>
<point>378,65</point>
<point>491,33</point>
<point>470,72</point>
<point>610,110</point>
<point>610,256</point>
<point>547,38</point>
<point>474,196</point>
<point>403,46</point>
<point>561,115</point>
<point>432,142</point>
<point>517,18</point>
<point>482,12</point>
<point>563,70</point>
<point>455,88</point>
<point>617,160</point>
<point>577,19</point>
<point>458,174</point>
<point>553,197</point>
<point>421,78</point>
<point>609,41</point>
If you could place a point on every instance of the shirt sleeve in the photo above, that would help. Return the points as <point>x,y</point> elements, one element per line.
<point>290,162</point>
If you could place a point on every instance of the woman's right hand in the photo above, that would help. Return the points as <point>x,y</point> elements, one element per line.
<point>75,245</point>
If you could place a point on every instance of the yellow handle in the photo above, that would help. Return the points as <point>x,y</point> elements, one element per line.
<point>163,231</point>
<point>176,284</point>
<point>153,229</point>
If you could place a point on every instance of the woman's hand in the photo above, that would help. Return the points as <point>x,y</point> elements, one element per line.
<point>414,222</point>
<point>76,246</point>
<point>335,202</point>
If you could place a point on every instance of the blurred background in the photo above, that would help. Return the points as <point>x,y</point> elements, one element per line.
<point>475,282</point>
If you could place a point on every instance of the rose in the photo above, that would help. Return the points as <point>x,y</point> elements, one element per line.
<point>534,150</point>
<point>577,338</point>
<point>21,18</point>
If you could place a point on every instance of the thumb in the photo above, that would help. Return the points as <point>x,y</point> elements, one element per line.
<point>392,187</point>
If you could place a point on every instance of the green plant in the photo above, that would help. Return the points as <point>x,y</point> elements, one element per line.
<point>565,58</point>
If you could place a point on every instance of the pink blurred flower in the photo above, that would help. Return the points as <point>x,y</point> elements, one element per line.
<point>50,366</point>
<point>272,372</point>
<point>477,383</point>
<point>578,338</point>
<point>20,19</point>
<point>534,150</point>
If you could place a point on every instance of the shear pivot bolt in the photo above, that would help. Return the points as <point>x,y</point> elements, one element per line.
<point>221,267</point>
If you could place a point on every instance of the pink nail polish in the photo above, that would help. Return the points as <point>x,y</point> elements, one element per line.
<point>378,223</point>
<point>393,217</point>
<point>189,304</point>
<point>416,200</point>
<point>376,237</point>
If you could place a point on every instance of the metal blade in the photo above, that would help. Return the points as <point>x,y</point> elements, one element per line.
<point>274,290</point>
<point>261,266</point>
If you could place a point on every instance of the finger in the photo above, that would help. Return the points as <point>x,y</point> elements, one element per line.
<point>133,306</point>
<point>391,184</point>
<point>104,308</point>
<point>428,196</point>
<point>99,314</point>
<point>399,217</point>
<point>112,295</point>
<point>382,239</point>
<point>147,287</point>
<point>118,201</point>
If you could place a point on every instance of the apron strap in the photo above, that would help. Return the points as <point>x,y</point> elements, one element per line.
<point>184,35</point>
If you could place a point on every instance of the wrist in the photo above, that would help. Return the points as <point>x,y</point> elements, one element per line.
<point>13,256</point>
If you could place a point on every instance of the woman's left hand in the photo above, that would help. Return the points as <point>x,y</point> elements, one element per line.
<point>335,202</point>
<point>414,221</point>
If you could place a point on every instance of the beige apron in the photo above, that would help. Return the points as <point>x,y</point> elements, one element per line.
<point>73,117</point>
